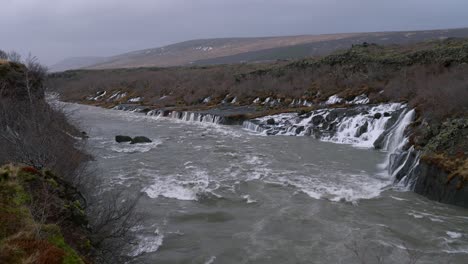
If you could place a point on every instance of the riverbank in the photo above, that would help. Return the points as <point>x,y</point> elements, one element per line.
<point>42,207</point>
<point>40,221</point>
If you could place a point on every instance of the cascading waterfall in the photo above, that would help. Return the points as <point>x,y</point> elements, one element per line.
<point>249,125</point>
<point>395,139</point>
<point>191,116</point>
<point>184,116</point>
<point>361,126</point>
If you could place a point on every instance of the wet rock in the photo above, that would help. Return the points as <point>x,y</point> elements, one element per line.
<point>362,129</point>
<point>317,120</point>
<point>379,143</point>
<point>120,139</point>
<point>271,121</point>
<point>140,139</point>
<point>432,182</point>
<point>299,129</point>
<point>331,116</point>
<point>393,119</point>
<point>84,134</point>
<point>377,115</point>
<point>386,114</point>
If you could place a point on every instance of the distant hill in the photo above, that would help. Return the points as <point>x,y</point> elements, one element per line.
<point>76,63</point>
<point>239,50</point>
<point>326,47</point>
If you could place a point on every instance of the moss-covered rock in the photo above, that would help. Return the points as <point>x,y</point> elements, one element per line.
<point>25,238</point>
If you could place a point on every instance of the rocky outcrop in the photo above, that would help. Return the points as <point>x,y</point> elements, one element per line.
<point>135,140</point>
<point>120,139</point>
<point>440,177</point>
<point>140,139</point>
<point>434,183</point>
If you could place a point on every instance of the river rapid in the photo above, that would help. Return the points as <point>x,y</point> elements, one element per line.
<point>222,194</point>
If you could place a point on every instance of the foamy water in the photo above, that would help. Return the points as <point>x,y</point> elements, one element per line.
<point>217,194</point>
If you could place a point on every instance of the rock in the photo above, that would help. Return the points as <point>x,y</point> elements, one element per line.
<point>431,181</point>
<point>362,129</point>
<point>377,115</point>
<point>140,139</point>
<point>386,114</point>
<point>84,134</point>
<point>317,120</point>
<point>299,130</point>
<point>120,139</point>
<point>271,121</point>
<point>380,141</point>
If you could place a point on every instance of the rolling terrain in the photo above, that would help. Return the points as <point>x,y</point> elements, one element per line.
<point>241,50</point>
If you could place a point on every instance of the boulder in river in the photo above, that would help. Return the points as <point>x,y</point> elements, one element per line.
<point>317,120</point>
<point>120,139</point>
<point>140,139</point>
<point>271,121</point>
<point>377,115</point>
<point>362,129</point>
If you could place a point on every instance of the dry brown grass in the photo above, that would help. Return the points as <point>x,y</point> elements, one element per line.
<point>25,248</point>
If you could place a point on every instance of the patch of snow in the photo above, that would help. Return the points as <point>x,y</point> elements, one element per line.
<point>135,100</point>
<point>207,100</point>
<point>334,99</point>
<point>360,99</point>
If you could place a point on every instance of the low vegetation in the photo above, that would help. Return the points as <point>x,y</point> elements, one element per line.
<point>46,189</point>
<point>34,207</point>
<point>413,73</point>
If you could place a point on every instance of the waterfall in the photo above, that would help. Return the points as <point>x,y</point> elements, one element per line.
<point>361,126</point>
<point>251,126</point>
<point>395,139</point>
<point>399,162</point>
<point>195,117</point>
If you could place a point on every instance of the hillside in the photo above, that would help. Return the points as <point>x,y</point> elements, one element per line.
<point>238,50</point>
<point>75,63</point>
<point>363,68</point>
<point>321,48</point>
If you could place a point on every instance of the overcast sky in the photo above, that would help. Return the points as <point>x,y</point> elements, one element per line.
<point>56,29</point>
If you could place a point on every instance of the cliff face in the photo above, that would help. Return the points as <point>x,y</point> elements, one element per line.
<point>437,165</point>
<point>42,218</point>
<point>434,183</point>
<point>19,83</point>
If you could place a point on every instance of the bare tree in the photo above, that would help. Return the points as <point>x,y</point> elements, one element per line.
<point>14,56</point>
<point>3,55</point>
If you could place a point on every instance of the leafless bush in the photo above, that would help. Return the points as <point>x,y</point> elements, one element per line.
<point>113,217</point>
<point>14,56</point>
<point>3,55</point>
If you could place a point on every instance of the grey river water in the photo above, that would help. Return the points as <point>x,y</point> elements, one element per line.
<point>220,194</point>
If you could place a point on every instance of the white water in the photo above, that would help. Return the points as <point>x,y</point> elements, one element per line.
<point>347,133</point>
<point>347,127</point>
<point>217,194</point>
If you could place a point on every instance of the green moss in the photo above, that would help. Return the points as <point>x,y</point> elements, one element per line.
<point>21,197</point>
<point>71,257</point>
<point>52,183</point>
<point>27,176</point>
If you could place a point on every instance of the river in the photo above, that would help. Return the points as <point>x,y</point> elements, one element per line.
<point>221,194</point>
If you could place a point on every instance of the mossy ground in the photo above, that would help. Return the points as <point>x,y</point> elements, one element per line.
<point>24,239</point>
